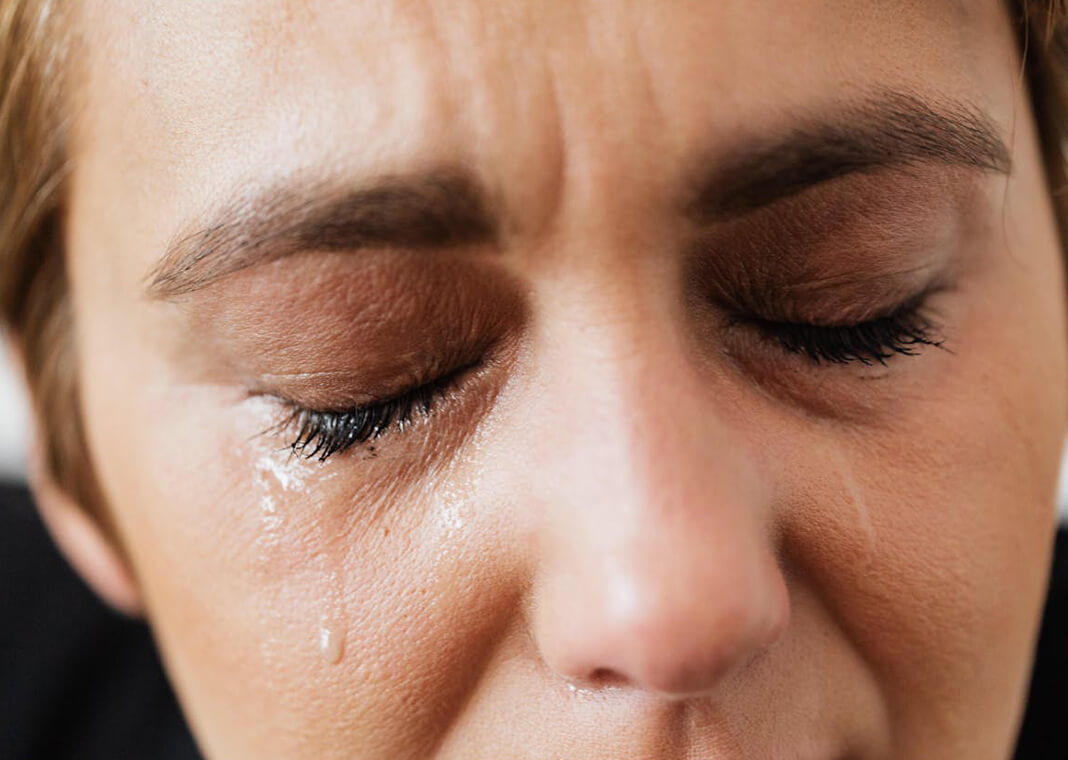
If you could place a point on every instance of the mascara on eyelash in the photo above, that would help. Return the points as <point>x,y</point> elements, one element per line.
<point>869,343</point>
<point>902,332</point>
<point>321,434</point>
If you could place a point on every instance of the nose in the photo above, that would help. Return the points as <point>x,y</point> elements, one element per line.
<point>657,567</point>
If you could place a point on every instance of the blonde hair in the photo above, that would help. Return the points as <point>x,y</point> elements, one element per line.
<point>35,46</point>
<point>34,299</point>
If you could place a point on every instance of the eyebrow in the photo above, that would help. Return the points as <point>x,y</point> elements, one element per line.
<point>439,208</point>
<point>447,208</point>
<point>882,132</point>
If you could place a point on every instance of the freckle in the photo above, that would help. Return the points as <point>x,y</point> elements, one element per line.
<point>330,644</point>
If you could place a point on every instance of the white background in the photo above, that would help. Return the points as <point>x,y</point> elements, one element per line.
<point>13,422</point>
<point>14,425</point>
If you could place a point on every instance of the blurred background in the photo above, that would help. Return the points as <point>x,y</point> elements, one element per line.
<point>14,426</point>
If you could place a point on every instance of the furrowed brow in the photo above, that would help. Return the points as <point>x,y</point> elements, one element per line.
<point>448,208</point>
<point>432,210</point>
<point>889,130</point>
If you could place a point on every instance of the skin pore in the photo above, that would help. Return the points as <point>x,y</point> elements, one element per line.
<point>569,293</point>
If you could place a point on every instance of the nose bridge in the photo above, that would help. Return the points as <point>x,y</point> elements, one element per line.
<point>657,567</point>
<point>641,436</point>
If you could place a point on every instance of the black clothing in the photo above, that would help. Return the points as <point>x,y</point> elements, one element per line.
<point>1044,734</point>
<point>79,682</point>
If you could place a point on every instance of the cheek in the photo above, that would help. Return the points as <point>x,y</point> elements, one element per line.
<point>929,537</point>
<point>293,599</point>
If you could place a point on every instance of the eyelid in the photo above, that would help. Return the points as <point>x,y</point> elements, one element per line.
<point>460,398</point>
<point>855,315</point>
<point>898,331</point>
<point>321,433</point>
<point>337,391</point>
<point>414,383</point>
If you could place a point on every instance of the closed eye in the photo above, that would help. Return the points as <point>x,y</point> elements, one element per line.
<point>902,332</point>
<point>322,433</point>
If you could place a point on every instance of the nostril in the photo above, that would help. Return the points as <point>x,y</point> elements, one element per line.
<point>606,678</point>
<point>601,679</point>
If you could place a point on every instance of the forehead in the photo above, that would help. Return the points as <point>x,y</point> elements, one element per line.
<point>185,100</point>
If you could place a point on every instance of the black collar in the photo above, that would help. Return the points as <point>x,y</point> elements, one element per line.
<point>1044,735</point>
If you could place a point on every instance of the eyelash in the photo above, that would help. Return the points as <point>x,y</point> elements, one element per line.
<point>321,434</point>
<point>903,332</point>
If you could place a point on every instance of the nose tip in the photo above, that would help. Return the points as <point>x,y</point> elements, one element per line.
<point>654,552</point>
<point>677,641</point>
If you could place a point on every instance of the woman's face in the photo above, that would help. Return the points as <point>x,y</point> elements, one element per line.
<point>577,379</point>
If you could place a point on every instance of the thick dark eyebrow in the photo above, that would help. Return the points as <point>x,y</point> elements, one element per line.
<point>435,209</point>
<point>885,131</point>
<point>448,208</point>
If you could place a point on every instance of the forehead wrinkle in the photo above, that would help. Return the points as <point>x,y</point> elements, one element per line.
<point>565,143</point>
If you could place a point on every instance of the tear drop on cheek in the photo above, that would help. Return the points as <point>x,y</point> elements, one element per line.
<point>330,644</point>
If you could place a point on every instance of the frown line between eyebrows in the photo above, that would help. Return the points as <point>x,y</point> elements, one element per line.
<point>448,208</point>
